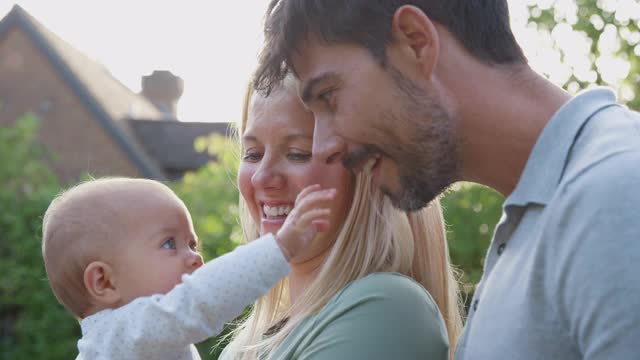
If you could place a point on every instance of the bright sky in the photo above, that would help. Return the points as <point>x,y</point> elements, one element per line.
<point>213,45</point>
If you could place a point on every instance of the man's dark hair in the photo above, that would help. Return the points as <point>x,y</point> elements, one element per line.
<point>481,26</point>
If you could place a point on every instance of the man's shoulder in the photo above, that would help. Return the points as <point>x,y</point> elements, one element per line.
<point>607,147</point>
<point>613,176</point>
<point>599,202</point>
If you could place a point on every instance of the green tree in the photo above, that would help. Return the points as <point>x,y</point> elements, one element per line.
<point>211,195</point>
<point>471,212</point>
<point>609,31</point>
<point>32,323</point>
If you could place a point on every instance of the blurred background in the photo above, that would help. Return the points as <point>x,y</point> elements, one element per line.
<point>151,89</point>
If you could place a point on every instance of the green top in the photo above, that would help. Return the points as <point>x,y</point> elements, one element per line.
<point>381,316</point>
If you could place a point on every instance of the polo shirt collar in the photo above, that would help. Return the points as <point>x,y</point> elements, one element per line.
<point>548,159</point>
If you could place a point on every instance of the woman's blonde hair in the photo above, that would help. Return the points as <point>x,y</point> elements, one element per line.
<point>375,237</point>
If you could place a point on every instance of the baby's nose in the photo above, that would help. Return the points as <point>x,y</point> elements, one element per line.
<point>194,261</point>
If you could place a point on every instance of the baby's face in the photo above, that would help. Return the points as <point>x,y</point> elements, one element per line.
<point>160,245</point>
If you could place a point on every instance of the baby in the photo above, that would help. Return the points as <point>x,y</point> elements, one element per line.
<point>121,255</point>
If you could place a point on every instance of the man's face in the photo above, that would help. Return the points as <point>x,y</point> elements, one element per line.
<point>372,115</point>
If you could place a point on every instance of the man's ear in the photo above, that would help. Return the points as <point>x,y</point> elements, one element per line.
<point>414,32</point>
<point>100,283</point>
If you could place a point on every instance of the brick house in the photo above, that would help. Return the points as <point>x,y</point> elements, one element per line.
<point>89,120</point>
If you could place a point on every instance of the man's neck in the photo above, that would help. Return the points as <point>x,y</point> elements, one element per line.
<point>500,120</point>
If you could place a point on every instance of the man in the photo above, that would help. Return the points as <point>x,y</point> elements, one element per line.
<point>438,92</point>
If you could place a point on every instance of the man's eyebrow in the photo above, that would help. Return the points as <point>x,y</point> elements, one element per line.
<point>309,87</point>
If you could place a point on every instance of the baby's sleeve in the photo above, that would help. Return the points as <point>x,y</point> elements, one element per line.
<point>199,307</point>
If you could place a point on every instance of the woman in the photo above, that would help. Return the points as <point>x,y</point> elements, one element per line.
<point>358,292</point>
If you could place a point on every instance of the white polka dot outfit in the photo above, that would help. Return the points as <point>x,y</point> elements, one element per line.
<point>166,326</point>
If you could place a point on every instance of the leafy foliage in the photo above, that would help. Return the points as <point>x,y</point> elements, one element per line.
<point>612,31</point>
<point>471,212</point>
<point>211,195</point>
<point>32,323</point>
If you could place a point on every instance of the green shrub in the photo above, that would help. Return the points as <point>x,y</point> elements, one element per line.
<point>211,195</point>
<point>471,212</point>
<point>33,324</point>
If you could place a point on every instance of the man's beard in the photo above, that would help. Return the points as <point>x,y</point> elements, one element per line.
<point>426,156</point>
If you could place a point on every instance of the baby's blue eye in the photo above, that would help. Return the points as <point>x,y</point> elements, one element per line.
<point>169,244</point>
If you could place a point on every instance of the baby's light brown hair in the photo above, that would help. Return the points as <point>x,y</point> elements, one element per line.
<point>81,225</point>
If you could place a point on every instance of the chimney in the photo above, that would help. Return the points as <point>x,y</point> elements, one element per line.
<point>163,89</point>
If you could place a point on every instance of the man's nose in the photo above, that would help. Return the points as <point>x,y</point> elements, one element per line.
<point>327,145</point>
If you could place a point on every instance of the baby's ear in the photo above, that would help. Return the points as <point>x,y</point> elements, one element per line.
<point>100,284</point>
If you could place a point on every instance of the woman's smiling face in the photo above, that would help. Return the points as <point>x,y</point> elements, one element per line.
<point>276,164</point>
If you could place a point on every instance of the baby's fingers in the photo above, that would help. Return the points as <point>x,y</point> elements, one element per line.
<point>310,216</point>
<point>307,190</point>
<point>320,225</point>
<point>315,199</point>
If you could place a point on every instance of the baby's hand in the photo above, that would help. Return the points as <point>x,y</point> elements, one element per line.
<point>308,217</point>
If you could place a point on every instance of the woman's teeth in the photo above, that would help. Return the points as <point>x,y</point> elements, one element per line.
<point>277,210</point>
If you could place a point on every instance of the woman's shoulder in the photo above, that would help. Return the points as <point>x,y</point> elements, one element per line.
<point>379,316</point>
<point>387,290</point>
<point>392,279</point>
<point>382,316</point>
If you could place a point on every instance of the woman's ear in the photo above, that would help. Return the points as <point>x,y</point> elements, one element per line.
<point>100,283</point>
<point>416,34</point>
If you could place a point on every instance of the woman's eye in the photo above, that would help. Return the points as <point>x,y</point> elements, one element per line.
<point>297,156</point>
<point>170,244</point>
<point>251,157</point>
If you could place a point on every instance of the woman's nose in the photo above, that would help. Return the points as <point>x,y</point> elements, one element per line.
<point>268,176</point>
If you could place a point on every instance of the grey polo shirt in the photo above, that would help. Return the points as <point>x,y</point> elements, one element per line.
<point>562,275</point>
